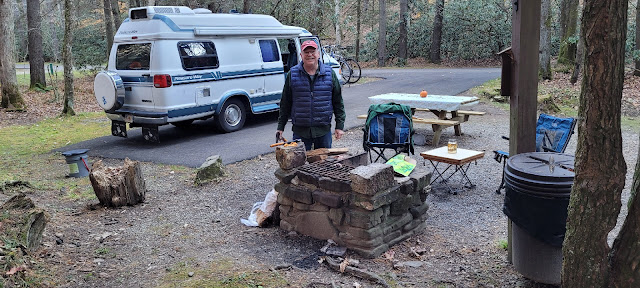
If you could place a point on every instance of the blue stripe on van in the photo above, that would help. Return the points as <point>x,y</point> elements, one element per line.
<point>170,23</point>
<point>137,79</point>
<point>210,76</point>
<point>192,110</point>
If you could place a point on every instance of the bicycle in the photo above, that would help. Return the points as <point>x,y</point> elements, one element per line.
<point>350,68</point>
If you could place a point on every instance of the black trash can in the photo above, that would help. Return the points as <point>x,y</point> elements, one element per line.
<point>538,187</point>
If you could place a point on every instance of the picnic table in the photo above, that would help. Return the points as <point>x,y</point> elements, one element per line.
<point>440,105</point>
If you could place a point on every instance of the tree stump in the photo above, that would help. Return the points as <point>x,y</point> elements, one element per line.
<point>22,221</point>
<point>118,186</point>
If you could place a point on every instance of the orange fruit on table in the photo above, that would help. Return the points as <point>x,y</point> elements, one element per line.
<point>423,93</point>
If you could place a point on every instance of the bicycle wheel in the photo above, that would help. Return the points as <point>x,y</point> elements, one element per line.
<point>346,71</point>
<point>355,70</point>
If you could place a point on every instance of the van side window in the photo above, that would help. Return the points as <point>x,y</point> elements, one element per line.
<point>133,56</point>
<point>269,49</point>
<point>198,55</point>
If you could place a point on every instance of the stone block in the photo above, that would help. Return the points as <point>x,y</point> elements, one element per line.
<point>280,187</point>
<point>360,233</point>
<point>285,225</point>
<point>291,157</point>
<point>420,179</point>
<point>316,224</point>
<point>331,184</point>
<point>370,252</point>
<point>285,176</point>
<point>363,218</point>
<point>371,179</point>
<point>415,223</point>
<point>337,216</point>
<point>284,210</point>
<point>308,178</point>
<point>299,194</point>
<point>284,200</point>
<point>401,206</point>
<point>418,211</point>
<point>370,243</point>
<point>326,198</point>
<point>356,160</point>
<point>376,201</point>
<point>401,237</point>
<point>396,223</point>
<point>406,185</point>
<point>317,207</point>
<point>391,236</point>
<point>211,170</point>
<point>424,193</point>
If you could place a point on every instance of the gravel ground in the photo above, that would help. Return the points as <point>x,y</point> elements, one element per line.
<point>198,228</point>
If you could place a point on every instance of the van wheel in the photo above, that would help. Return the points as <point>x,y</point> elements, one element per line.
<point>232,116</point>
<point>182,124</point>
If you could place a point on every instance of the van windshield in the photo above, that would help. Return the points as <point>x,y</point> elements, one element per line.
<point>133,56</point>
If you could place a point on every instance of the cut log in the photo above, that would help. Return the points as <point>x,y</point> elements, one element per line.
<point>118,186</point>
<point>23,222</point>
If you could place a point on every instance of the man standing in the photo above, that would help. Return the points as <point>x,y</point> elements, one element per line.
<point>311,95</point>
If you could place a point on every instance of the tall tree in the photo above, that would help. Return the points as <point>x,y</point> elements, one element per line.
<point>108,25</point>
<point>115,11</point>
<point>358,21</point>
<point>637,71</point>
<point>382,34</point>
<point>11,97</point>
<point>568,29</point>
<point>596,196</point>
<point>579,62</point>
<point>336,16</point>
<point>36,55</point>
<point>67,59</point>
<point>402,39</point>
<point>436,35</point>
<point>246,6</point>
<point>545,39</point>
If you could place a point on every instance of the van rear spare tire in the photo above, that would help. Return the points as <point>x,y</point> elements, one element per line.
<point>109,90</point>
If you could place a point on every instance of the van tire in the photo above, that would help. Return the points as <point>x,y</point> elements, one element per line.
<point>232,116</point>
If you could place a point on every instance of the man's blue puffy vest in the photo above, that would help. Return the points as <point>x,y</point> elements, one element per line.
<point>312,105</point>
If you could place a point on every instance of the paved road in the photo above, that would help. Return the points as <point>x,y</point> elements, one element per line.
<point>190,147</point>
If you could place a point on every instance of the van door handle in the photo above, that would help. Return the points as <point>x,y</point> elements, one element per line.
<point>146,75</point>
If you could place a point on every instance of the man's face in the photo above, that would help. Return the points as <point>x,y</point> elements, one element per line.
<point>310,56</point>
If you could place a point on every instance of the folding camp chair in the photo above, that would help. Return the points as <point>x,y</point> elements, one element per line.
<point>552,135</point>
<point>388,126</point>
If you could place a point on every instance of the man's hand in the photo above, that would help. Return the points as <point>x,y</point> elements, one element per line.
<point>339,134</point>
<point>279,136</point>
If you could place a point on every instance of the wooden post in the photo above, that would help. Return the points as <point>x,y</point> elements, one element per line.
<point>525,39</point>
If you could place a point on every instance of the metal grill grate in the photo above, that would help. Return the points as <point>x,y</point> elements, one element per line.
<point>333,170</point>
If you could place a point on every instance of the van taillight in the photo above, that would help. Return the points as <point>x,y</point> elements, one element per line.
<point>162,81</point>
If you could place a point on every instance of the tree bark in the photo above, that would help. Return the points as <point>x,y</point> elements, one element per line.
<point>108,24</point>
<point>115,11</point>
<point>579,62</point>
<point>118,186</point>
<point>11,97</point>
<point>36,55</point>
<point>24,222</point>
<point>637,71</point>
<point>545,40</point>
<point>382,34</point>
<point>67,59</point>
<point>436,36</point>
<point>358,21</point>
<point>336,15</point>
<point>402,39</point>
<point>246,6</point>
<point>600,176</point>
<point>568,28</point>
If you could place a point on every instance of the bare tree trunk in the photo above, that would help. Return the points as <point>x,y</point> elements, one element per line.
<point>67,59</point>
<point>545,40</point>
<point>358,21</point>
<point>11,97</point>
<point>599,179</point>
<point>108,24</point>
<point>151,3</point>
<point>568,28</point>
<point>402,41</point>
<point>246,6</point>
<point>115,10</point>
<point>436,36</point>
<point>637,71</point>
<point>382,34</point>
<point>36,57</point>
<point>55,42</point>
<point>336,15</point>
<point>579,62</point>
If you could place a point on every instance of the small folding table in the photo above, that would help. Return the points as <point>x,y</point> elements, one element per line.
<point>460,161</point>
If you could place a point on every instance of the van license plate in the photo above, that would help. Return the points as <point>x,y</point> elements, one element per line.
<point>128,118</point>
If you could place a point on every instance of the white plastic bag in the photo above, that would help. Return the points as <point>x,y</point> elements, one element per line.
<point>252,217</point>
<point>270,202</point>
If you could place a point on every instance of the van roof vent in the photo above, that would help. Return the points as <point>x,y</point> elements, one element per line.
<point>202,11</point>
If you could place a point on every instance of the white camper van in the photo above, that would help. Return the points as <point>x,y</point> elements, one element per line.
<point>174,65</point>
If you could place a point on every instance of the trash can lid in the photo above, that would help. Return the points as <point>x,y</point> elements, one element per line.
<point>547,166</point>
<point>75,152</point>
